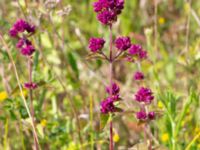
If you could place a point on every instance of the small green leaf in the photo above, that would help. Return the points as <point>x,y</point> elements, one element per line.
<point>103,121</point>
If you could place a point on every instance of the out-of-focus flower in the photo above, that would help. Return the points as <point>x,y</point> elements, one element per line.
<point>160,104</point>
<point>161,20</point>
<point>138,76</point>
<point>116,137</point>
<point>165,137</point>
<point>136,50</point>
<point>28,50</point>
<point>30,85</point>
<point>151,115</point>
<point>114,89</point>
<point>43,122</point>
<point>3,96</point>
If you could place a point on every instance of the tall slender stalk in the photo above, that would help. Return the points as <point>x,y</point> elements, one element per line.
<point>31,100</point>
<point>111,78</point>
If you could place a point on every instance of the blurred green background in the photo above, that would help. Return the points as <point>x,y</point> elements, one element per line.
<point>168,29</point>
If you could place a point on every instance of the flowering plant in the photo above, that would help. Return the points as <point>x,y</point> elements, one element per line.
<point>107,13</point>
<point>22,30</point>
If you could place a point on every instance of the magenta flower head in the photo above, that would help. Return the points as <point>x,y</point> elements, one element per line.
<point>107,106</point>
<point>25,46</point>
<point>106,17</point>
<point>144,95</point>
<point>115,89</point>
<point>28,50</point>
<point>96,44</point>
<point>138,76</point>
<point>108,10</point>
<point>22,42</point>
<point>13,32</point>
<point>136,50</point>
<point>123,43</point>
<point>100,5</point>
<point>119,6</point>
<point>21,26</point>
<point>141,115</point>
<point>30,28</point>
<point>142,54</point>
<point>115,97</point>
<point>30,85</point>
<point>151,115</point>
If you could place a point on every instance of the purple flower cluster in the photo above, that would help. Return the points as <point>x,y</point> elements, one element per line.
<point>96,44</point>
<point>24,45</point>
<point>30,85</point>
<point>142,115</point>
<point>138,76</point>
<point>114,90</point>
<point>108,10</point>
<point>144,95</point>
<point>123,43</point>
<point>137,51</point>
<point>107,105</point>
<point>21,26</point>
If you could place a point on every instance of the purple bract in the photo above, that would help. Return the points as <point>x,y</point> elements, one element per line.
<point>114,90</point>
<point>141,115</point>
<point>30,85</point>
<point>138,76</point>
<point>107,106</point>
<point>106,17</point>
<point>123,43</point>
<point>151,115</point>
<point>136,50</point>
<point>28,50</point>
<point>144,95</point>
<point>108,10</point>
<point>96,44</point>
<point>21,26</point>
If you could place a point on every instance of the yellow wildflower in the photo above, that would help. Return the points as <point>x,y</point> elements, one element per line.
<point>3,96</point>
<point>165,137</point>
<point>116,137</point>
<point>161,20</point>
<point>43,122</point>
<point>160,105</point>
